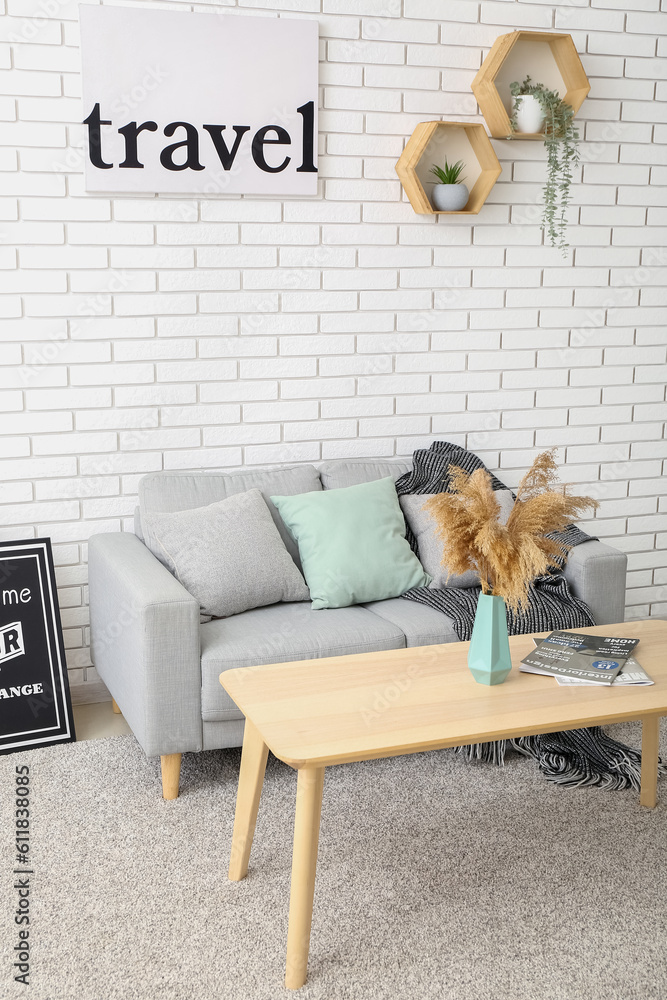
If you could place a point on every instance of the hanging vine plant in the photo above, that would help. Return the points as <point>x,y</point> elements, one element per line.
<point>561,139</point>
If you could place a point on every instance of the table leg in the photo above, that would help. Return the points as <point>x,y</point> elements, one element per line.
<point>648,795</point>
<point>251,779</point>
<point>304,862</point>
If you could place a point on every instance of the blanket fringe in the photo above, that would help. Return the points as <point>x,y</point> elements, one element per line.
<point>487,753</point>
<point>572,759</point>
<point>585,757</point>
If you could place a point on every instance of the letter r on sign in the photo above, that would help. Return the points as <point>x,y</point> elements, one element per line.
<point>11,641</point>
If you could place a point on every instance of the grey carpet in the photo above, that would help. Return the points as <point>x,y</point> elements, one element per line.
<point>436,879</point>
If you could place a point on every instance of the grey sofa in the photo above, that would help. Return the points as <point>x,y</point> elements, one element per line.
<point>161,665</point>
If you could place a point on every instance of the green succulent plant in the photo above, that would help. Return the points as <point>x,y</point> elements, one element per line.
<point>450,173</point>
<point>561,139</point>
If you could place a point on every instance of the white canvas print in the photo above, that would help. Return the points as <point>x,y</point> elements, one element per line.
<point>199,103</point>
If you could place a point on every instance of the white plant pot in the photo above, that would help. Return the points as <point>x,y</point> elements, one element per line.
<point>529,115</point>
<point>450,197</point>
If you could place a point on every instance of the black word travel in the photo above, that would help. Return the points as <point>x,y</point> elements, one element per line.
<point>189,143</point>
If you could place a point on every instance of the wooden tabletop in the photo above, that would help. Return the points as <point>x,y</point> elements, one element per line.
<point>313,713</point>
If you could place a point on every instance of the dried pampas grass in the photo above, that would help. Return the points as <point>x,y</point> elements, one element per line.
<point>508,556</point>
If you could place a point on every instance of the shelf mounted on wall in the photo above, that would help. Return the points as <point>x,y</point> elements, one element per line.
<point>433,143</point>
<point>547,58</point>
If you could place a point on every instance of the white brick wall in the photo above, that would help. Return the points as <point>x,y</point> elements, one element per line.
<point>141,333</point>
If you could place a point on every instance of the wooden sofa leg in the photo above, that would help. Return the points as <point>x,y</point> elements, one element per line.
<point>115,707</point>
<point>171,773</point>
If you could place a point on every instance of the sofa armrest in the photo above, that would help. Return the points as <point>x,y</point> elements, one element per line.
<point>145,643</point>
<point>595,573</point>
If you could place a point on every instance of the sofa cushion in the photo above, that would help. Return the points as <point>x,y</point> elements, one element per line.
<point>421,625</point>
<point>430,545</point>
<point>228,555</point>
<point>350,472</point>
<point>166,492</point>
<point>352,544</point>
<point>282,633</point>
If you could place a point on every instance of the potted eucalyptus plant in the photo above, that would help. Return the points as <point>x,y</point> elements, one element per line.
<point>450,193</point>
<point>535,108</point>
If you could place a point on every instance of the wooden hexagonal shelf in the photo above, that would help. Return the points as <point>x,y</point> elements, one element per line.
<point>547,58</point>
<point>433,142</point>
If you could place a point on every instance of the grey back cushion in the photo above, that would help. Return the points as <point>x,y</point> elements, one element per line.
<point>167,492</point>
<point>431,550</point>
<point>228,555</point>
<point>337,474</point>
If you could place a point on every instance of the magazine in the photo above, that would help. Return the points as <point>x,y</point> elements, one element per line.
<point>595,659</point>
<point>630,673</point>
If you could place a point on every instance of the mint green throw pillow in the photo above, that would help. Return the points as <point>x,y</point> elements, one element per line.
<point>352,544</point>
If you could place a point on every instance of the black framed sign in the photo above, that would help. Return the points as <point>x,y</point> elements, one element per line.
<point>35,704</point>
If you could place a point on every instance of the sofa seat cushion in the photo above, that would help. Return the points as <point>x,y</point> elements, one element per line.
<point>281,633</point>
<point>421,625</point>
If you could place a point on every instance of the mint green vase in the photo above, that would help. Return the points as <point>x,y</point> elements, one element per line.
<point>489,654</point>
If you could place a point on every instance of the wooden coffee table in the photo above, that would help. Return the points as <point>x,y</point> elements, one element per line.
<point>315,713</point>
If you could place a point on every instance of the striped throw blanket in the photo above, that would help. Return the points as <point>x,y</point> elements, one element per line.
<point>578,757</point>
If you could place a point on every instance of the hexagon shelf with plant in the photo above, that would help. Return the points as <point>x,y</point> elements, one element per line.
<point>548,58</point>
<point>433,143</point>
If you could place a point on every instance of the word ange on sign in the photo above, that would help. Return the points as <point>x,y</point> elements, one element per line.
<point>198,103</point>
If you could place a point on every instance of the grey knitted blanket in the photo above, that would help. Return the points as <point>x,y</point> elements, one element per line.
<point>578,757</point>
